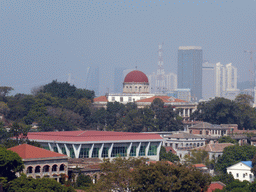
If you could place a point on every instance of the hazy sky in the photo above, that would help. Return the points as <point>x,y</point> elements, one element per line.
<point>45,40</point>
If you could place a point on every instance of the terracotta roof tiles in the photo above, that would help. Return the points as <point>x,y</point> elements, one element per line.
<point>165,99</point>
<point>26,151</point>
<point>216,147</point>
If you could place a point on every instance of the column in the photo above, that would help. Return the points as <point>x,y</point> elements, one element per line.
<point>59,149</point>
<point>76,150</point>
<point>50,147</point>
<point>147,148</point>
<point>129,150</point>
<point>101,149</point>
<point>184,113</point>
<point>138,150</point>
<point>110,150</point>
<point>67,150</point>
<point>188,112</point>
<point>158,150</point>
<point>91,150</point>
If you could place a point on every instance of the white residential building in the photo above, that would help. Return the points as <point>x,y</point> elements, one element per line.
<point>242,171</point>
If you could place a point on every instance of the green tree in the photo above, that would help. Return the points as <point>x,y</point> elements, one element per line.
<point>227,139</point>
<point>168,156</point>
<point>198,156</point>
<point>25,184</point>
<point>244,99</point>
<point>253,170</point>
<point>10,163</point>
<point>83,180</point>
<point>234,154</point>
<point>224,178</point>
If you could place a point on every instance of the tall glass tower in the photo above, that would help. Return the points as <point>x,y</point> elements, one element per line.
<point>93,82</point>
<point>190,59</point>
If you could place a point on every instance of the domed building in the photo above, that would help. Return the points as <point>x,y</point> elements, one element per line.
<point>136,82</point>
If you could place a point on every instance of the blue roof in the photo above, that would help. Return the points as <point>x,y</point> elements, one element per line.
<point>248,163</point>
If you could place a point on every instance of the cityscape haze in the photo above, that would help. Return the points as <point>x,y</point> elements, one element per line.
<point>41,42</point>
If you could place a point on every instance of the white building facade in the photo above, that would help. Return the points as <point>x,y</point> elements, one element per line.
<point>100,144</point>
<point>242,171</point>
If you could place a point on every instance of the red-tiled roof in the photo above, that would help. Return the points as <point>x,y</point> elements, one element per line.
<point>199,165</point>
<point>91,136</point>
<point>170,149</point>
<point>26,151</point>
<point>100,99</point>
<point>165,99</point>
<point>216,147</point>
<point>136,77</point>
<point>216,185</point>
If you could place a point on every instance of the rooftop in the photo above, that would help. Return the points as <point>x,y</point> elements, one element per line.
<point>248,163</point>
<point>91,136</point>
<point>136,77</point>
<point>100,99</point>
<point>216,147</point>
<point>26,151</point>
<point>165,99</point>
<point>184,136</point>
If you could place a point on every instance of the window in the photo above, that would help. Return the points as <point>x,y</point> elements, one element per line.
<point>136,89</point>
<point>122,151</point>
<point>152,149</point>
<point>129,99</point>
<point>72,153</point>
<point>84,153</point>
<point>113,98</point>
<point>142,150</point>
<point>250,176</point>
<point>237,175</point>
<point>54,168</point>
<point>62,167</point>
<point>46,168</point>
<point>133,151</point>
<point>37,169</point>
<point>95,152</point>
<point>63,149</point>
<point>55,149</point>
<point>47,148</point>
<point>121,99</point>
<point>105,151</point>
<point>30,170</point>
<point>200,133</point>
<point>243,175</point>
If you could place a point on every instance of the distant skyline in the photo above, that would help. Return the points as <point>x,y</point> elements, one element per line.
<point>47,40</point>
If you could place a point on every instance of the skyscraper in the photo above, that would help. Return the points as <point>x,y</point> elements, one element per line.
<point>226,81</point>
<point>190,59</point>
<point>118,79</point>
<point>93,81</point>
<point>208,83</point>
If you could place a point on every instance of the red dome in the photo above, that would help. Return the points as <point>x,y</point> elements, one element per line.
<point>136,76</point>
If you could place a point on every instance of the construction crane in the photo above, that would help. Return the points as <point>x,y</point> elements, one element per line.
<point>252,69</point>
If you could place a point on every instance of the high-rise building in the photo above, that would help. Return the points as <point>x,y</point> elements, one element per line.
<point>93,81</point>
<point>118,79</point>
<point>208,85</point>
<point>190,59</point>
<point>226,81</point>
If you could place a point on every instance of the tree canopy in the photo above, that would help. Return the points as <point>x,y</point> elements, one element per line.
<point>10,163</point>
<point>168,156</point>
<point>227,139</point>
<point>28,184</point>
<point>234,154</point>
<point>135,175</point>
<point>224,111</point>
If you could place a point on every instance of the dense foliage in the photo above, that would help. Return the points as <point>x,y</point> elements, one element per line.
<point>168,156</point>
<point>197,157</point>
<point>135,175</point>
<point>234,154</point>
<point>239,186</point>
<point>25,184</point>
<point>224,111</point>
<point>227,139</point>
<point>10,163</point>
<point>61,106</point>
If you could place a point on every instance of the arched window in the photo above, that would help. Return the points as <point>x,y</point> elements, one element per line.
<point>197,144</point>
<point>46,168</point>
<point>54,168</point>
<point>37,169</point>
<point>62,167</point>
<point>30,169</point>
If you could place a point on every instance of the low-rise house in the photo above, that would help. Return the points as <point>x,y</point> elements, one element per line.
<point>242,171</point>
<point>40,162</point>
<point>182,142</point>
<point>89,166</point>
<point>201,167</point>
<point>215,185</point>
<point>214,150</point>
